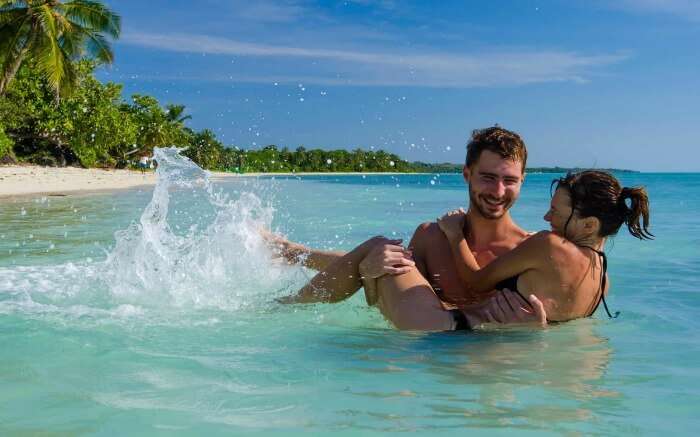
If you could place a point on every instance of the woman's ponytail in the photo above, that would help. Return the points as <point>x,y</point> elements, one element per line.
<point>636,211</point>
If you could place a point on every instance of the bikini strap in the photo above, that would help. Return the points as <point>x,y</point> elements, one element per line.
<point>603,280</point>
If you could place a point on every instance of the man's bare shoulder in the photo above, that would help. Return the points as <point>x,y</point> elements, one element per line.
<point>521,234</point>
<point>428,230</point>
<point>425,233</point>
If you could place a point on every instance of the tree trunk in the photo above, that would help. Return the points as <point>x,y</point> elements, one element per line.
<point>8,75</point>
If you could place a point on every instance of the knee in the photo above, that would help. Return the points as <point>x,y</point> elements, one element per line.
<point>375,241</point>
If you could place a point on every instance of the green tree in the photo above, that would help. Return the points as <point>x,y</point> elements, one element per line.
<point>54,34</point>
<point>156,126</point>
<point>175,114</point>
<point>100,133</point>
<point>87,127</point>
<point>206,150</point>
<point>5,145</point>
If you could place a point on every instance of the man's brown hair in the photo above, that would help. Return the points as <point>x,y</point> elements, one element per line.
<point>495,139</point>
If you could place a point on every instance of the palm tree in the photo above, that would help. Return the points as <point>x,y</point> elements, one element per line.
<point>54,34</point>
<point>175,114</point>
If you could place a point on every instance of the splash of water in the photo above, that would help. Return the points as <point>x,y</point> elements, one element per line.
<point>195,246</point>
<point>222,263</point>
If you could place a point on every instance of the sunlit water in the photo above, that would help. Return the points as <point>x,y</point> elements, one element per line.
<point>152,312</point>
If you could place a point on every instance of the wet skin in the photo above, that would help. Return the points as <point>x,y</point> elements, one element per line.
<point>494,186</point>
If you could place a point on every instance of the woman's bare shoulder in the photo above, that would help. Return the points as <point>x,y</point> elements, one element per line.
<point>543,238</point>
<point>548,244</point>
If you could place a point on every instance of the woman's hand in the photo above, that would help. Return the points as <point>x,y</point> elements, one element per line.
<point>452,224</point>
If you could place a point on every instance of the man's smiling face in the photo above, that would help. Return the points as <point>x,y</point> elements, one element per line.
<point>494,184</point>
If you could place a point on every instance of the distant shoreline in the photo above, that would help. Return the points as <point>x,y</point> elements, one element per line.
<point>26,180</point>
<point>30,180</point>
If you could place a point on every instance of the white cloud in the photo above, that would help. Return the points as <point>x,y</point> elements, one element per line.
<point>430,69</point>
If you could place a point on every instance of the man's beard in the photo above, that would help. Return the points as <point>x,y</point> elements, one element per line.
<point>475,202</point>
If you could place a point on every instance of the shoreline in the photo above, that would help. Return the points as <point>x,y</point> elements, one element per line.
<point>32,180</point>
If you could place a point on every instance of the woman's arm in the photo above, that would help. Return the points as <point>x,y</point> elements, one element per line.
<point>530,254</point>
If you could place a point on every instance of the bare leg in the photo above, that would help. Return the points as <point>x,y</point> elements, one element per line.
<point>296,253</point>
<point>410,303</point>
<point>338,280</point>
<point>370,286</point>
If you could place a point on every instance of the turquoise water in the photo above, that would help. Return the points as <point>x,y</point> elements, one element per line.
<point>142,312</point>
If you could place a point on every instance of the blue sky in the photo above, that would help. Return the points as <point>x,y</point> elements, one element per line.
<point>585,82</point>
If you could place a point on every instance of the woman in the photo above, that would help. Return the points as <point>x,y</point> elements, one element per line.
<point>565,267</point>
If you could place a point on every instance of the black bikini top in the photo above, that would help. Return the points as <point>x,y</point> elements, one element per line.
<point>512,285</point>
<point>603,280</point>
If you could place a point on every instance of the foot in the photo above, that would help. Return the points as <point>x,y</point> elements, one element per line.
<point>290,251</point>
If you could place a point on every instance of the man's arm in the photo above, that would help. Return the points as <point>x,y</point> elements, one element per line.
<point>417,247</point>
<point>507,308</point>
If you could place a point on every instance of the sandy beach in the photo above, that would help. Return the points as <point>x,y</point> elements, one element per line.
<point>21,180</point>
<point>25,180</point>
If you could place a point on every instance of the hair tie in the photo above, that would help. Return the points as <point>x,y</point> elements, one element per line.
<point>625,194</point>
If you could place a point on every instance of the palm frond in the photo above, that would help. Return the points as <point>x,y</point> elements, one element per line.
<point>69,79</point>
<point>50,60</point>
<point>44,17</point>
<point>73,42</point>
<point>99,48</point>
<point>54,34</point>
<point>93,15</point>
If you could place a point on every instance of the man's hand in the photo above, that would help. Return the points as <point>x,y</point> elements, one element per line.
<point>452,224</point>
<point>507,307</point>
<point>387,257</point>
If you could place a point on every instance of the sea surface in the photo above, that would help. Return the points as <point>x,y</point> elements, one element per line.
<point>152,312</point>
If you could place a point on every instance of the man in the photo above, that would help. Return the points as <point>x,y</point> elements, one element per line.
<point>494,172</point>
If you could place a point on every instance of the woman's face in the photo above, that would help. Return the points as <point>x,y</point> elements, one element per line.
<point>559,212</point>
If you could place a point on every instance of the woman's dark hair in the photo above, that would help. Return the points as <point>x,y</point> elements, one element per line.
<point>598,194</point>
